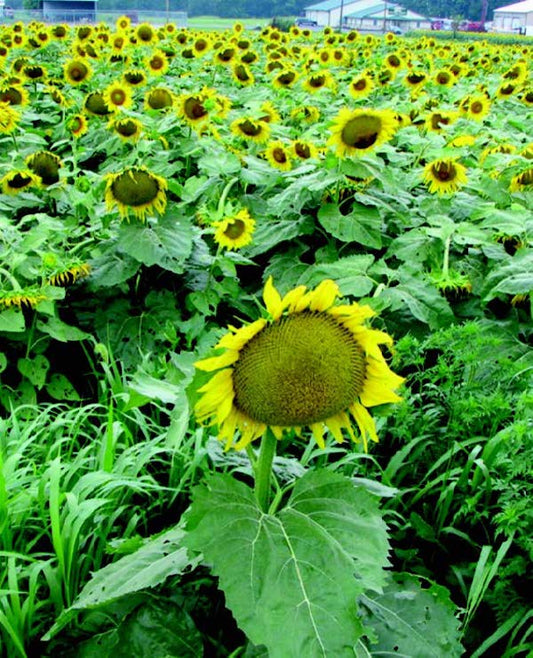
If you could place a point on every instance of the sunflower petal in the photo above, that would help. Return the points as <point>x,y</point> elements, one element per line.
<point>272,299</point>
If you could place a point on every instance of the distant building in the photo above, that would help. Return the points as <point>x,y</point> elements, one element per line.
<point>366,15</point>
<point>515,18</point>
<point>69,11</point>
<point>329,12</point>
<point>373,15</point>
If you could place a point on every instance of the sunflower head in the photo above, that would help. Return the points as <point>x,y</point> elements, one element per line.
<point>118,96</point>
<point>235,231</point>
<point>136,190</point>
<point>356,132</point>
<point>128,129</point>
<point>77,125</point>
<point>310,363</point>
<point>27,297</point>
<point>9,118</point>
<point>45,166</point>
<point>445,175</point>
<point>18,181</point>
<point>157,62</point>
<point>77,71</point>
<point>159,99</point>
<point>250,129</point>
<point>95,104</point>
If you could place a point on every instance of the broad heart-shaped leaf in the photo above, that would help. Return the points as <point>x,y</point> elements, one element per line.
<point>166,243</point>
<point>362,225</point>
<point>412,622</point>
<point>12,320</point>
<point>292,579</point>
<point>156,629</point>
<point>34,369</point>
<point>514,276</point>
<point>150,565</point>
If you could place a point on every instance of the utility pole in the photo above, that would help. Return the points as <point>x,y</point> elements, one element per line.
<point>341,15</point>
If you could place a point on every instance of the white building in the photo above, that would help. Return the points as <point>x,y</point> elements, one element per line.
<point>517,18</point>
<point>367,15</point>
<point>376,16</point>
<point>329,12</point>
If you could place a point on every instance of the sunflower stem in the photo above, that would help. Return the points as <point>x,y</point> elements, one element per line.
<point>264,469</point>
<point>446,259</point>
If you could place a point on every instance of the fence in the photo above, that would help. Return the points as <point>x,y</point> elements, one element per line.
<point>81,16</point>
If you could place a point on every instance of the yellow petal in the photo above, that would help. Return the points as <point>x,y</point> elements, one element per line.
<point>335,427</point>
<point>366,423</point>
<point>217,362</point>
<point>318,434</point>
<point>272,299</point>
<point>324,295</point>
<point>238,339</point>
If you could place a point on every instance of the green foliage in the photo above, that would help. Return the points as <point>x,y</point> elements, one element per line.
<point>410,620</point>
<point>291,579</point>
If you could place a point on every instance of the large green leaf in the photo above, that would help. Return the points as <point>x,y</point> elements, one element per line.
<point>292,579</point>
<point>166,243</point>
<point>157,629</point>
<point>361,225</point>
<point>513,277</point>
<point>413,622</point>
<point>12,320</point>
<point>147,567</point>
<point>349,273</point>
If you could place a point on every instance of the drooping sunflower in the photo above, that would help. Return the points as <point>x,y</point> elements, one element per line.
<point>444,175</point>
<point>18,180</point>
<point>14,95</point>
<point>95,104</point>
<point>269,113</point>
<point>27,297</point>
<point>45,166</point>
<point>242,75</point>
<point>77,71</point>
<point>128,129</point>
<point>317,81</point>
<point>235,231</point>
<point>136,190</point>
<point>438,120</point>
<point>304,150</point>
<point>9,118</point>
<point>251,129</point>
<point>285,79</point>
<point>311,363</point>
<point>307,113</point>
<point>356,132</point>
<point>159,98</point>
<point>64,274</point>
<point>134,77</point>
<point>192,108</point>
<point>522,181</point>
<point>361,85</point>
<point>415,79</point>
<point>278,155</point>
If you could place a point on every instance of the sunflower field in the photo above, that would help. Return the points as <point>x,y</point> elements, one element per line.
<point>266,377</point>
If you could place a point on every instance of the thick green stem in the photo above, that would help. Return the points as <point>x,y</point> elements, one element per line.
<point>264,469</point>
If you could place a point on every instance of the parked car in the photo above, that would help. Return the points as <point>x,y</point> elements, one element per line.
<point>305,22</point>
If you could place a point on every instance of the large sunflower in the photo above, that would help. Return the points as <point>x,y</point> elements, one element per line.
<point>138,190</point>
<point>444,175</point>
<point>356,132</point>
<point>310,363</point>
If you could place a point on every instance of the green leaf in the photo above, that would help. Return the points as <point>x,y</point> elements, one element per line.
<point>157,629</point>
<point>153,388</point>
<point>291,579</point>
<point>150,565</point>
<point>60,388</point>
<point>423,301</point>
<point>34,369</point>
<point>270,233</point>
<point>349,273</point>
<point>513,277</point>
<point>112,268</point>
<point>12,320</point>
<point>411,621</point>
<point>59,330</point>
<point>362,225</point>
<point>166,243</point>
<point>3,362</point>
